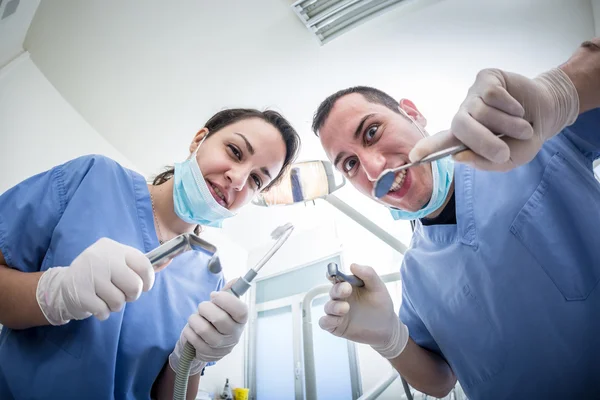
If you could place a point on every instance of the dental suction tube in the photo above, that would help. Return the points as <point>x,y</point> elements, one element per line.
<point>238,289</point>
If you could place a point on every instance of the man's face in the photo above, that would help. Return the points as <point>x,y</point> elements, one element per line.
<point>363,139</point>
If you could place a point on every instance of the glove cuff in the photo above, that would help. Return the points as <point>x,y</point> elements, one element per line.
<point>397,342</point>
<point>564,96</point>
<point>49,299</point>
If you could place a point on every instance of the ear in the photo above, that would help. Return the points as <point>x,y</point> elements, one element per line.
<point>197,139</point>
<point>410,108</point>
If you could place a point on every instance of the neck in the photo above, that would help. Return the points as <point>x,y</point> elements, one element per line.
<point>448,197</point>
<point>167,223</point>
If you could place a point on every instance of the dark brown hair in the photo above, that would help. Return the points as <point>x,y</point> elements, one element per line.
<point>372,95</point>
<point>230,116</point>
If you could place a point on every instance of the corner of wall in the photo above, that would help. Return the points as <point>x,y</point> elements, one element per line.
<point>13,63</point>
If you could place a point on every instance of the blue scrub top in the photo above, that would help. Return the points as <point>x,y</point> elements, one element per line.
<point>509,295</point>
<point>46,221</point>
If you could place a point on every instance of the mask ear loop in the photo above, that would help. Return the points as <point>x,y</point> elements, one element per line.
<point>195,152</point>
<point>411,119</point>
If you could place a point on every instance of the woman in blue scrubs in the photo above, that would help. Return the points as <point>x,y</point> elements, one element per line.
<point>84,314</point>
<point>500,286</point>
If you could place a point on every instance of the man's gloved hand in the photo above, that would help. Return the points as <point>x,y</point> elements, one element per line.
<point>365,314</point>
<point>213,331</point>
<point>527,111</point>
<point>99,281</point>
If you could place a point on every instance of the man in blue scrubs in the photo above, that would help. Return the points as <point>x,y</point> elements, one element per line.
<point>501,280</point>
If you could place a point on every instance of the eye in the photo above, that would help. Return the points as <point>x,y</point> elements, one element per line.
<point>235,151</point>
<point>349,164</point>
<point>257,181</point>
<point>370,133</point>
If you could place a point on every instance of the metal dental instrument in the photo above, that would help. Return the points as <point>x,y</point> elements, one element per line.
<point>280,234</point>
<point>334,274</point>
<point>164,253</point>
<point>385,181</point>
<point>241,286</point>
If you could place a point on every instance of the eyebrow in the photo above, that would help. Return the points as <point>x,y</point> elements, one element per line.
<point>357,132</point>
<point>248,145</point>
<point>264,170</point>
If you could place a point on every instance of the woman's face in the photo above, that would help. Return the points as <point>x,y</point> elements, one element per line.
<point>239,160</point>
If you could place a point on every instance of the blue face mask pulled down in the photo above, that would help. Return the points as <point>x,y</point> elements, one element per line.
<point>442,171</point>
<point>192,198</point>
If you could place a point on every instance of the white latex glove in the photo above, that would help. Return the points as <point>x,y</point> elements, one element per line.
<point>99,281</point>
<point>527,111</point>
<point>213,331</point>
<point>365,314</point>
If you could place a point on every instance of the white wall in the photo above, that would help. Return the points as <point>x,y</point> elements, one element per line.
<point>155,72</point>
<point>596,9</point>
<point>38,128</point>
<point>14,28</point>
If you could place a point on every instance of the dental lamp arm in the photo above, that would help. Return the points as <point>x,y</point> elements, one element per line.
<point>164,385</point>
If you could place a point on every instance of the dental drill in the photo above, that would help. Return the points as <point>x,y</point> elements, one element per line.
<point>238,289</point>
<point>163,254</point>
<point>335,275</point>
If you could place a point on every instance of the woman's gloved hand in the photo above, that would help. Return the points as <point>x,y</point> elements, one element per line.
<point>213,331</point>
<point>527,111</point>
<point>365,314</point>
<point>99,281</point>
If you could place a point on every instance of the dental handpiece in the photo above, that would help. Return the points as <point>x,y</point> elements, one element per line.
<point>281,234</point>
<point>164,253</point>
<point>334,274</point>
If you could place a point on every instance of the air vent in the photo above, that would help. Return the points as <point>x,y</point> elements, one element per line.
<point>328,19</point>
<point>10,8</point>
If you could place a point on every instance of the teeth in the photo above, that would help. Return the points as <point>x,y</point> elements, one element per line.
<point>218,192</point>
<point>399,180</point>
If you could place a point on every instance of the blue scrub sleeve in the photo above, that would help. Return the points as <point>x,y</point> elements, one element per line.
<point>29,212</point>
<point>585,133</point>
<point>416,329</point>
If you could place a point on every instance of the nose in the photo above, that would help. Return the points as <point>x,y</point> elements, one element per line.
<point>237,177</point>
<point>373,164</point>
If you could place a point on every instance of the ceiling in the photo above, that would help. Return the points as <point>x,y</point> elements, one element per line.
<point>13,29</point>
<point>147,74</point>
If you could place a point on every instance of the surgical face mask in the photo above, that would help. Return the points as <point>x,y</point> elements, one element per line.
<point>442,171</point>
<point>192,198</point>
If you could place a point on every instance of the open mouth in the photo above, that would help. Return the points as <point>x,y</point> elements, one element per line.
<point>218,194</point>
<point>398,181</point>
<point>402,182</point>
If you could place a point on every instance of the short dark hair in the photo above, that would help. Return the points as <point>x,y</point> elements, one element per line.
<point>230,116</point>
<point>371,94</point>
